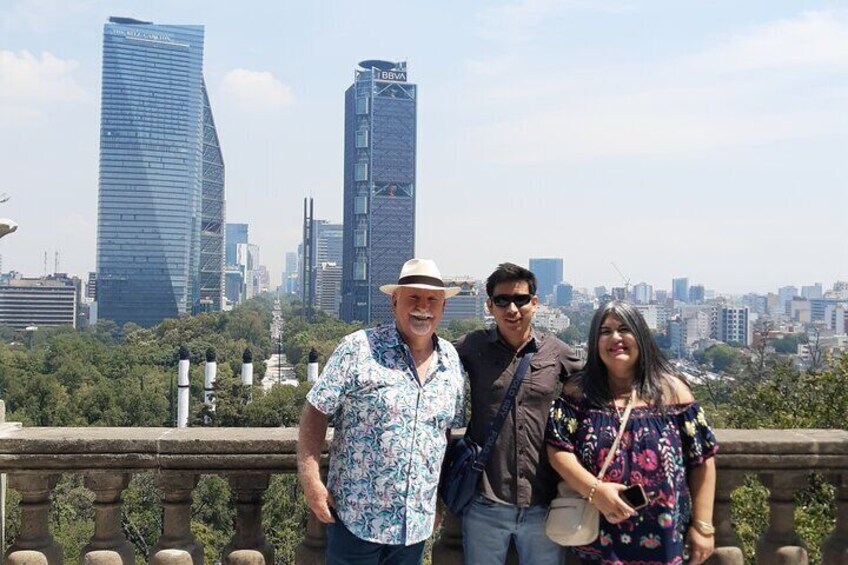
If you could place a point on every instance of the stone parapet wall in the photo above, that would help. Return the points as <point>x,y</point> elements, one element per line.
<point>34,459</point>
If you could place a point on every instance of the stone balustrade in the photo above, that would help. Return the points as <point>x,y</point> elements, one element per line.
<point>35,458</point>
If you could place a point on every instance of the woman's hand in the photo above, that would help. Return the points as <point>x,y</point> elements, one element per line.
<point>700,546</point>
<point>608,503</point>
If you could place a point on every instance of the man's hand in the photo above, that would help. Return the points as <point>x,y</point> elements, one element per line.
<point>319,500</point>
<point>313,428</point>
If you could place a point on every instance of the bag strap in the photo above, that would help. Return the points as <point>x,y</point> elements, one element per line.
<point>614,447</point>
<point>506,405</point>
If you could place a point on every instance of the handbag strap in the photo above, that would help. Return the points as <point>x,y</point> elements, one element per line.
<point>497,422</point>
<point>614,447</point>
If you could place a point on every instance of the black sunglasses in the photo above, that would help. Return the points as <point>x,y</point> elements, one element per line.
<point>504,300</point>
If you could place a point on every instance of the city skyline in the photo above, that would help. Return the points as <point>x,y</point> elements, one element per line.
<point>672,141</point>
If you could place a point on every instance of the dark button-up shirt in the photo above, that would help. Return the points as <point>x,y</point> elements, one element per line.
<point>517,471</point>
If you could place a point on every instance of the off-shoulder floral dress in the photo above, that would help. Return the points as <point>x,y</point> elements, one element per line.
<point>656,451</point>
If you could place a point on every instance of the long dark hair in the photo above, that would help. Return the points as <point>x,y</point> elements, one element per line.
<point>652,367</point>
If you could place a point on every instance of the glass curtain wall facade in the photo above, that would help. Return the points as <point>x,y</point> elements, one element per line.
<point>154,144</point>
<point>548,273</point>
<point>212,219</point>
<point>379,186</point>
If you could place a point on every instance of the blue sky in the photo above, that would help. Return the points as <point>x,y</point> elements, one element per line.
<point>675,139</point>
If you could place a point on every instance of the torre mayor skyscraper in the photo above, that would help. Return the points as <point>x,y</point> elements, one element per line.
<point>160,240</point>
<point>379,186</point>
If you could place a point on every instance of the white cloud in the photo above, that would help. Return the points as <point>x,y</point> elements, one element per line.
<point>256,90</point>
<point>710,101</point>
<point>516,22</point>
<point>28,79</point>
<point>491,67</point>
<point>816,40</point>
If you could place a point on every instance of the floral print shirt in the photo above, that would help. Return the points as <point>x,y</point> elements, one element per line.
<point>389,438</point>
<point>656,450</point>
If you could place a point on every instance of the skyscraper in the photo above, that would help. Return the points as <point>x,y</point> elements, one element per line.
<point>236,233</point>
<point>548,274</point>
<point>680,289</point>
<point>161,200</point>
<point>379,186</point>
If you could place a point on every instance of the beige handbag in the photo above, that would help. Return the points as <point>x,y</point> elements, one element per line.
<point>572,520</point>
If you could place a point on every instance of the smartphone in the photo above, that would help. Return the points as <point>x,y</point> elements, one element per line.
<point>635,496</point>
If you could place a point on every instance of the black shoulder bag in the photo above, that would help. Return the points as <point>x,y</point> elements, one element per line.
<point>465,460</point>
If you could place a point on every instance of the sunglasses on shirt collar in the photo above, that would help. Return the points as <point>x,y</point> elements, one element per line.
<point>504,300</point>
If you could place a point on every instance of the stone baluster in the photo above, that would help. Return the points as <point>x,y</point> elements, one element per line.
<point>35,544</point>
<point>448,549</point>
<point>175,492</point>
<point>835,547</point>
<point>780,543</point>
<point>248,535</point>
<point>310,551</point>
<point>108,544</point>
<point>728,550</point>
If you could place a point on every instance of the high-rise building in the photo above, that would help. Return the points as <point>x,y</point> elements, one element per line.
<point>328,282</point>
<point>379,186</point>
<point>33,303</point>
<point>548,274</point>
<point>812,291</point>
<point>733,325</point>
<point>161,198</point>
<point>696,293</point>
<point>680,289</point>
<point>236,233</point>
<point>564,294</point>
<point>643,293</point>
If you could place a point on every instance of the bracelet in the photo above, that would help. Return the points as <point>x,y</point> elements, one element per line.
<point>704,528</point>
<point>593,489</point>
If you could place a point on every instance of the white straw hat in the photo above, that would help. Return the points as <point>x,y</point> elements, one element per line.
<point>421,273</point>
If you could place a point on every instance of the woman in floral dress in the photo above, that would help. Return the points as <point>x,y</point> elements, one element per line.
<point>667,447</point>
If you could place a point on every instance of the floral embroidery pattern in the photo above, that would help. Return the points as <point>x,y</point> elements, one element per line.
<point>656,450</point>
<point>389,437</point>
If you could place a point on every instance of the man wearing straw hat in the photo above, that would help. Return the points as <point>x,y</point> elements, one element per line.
<point>393,392</point>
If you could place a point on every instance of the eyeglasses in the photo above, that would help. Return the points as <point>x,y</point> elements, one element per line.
<point>504,300</point>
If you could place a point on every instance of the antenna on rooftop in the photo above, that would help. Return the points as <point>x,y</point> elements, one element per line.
<point>55,262</point>
<point>45,264</point>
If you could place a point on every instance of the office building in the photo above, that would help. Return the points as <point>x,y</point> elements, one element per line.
<point>785,294</point>
<point>161,196</point>
<point>236,233</point>
<point>469,304</point>
<point>328,285</point>
<point>548,273</point>
<point>680,289</point>
<point>733,325</point>
<point>812,291</point>
<point>696,294</point>
<point>564,294</point>
<point>643,293</point>
<point>379,186</point>
<point>34,303</point>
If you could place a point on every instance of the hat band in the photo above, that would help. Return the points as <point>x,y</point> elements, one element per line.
<point>421,279</point>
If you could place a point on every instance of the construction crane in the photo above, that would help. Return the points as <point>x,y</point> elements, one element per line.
<point>625,279</point>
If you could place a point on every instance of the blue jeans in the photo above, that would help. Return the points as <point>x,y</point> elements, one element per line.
<point>344,548</point>
<point>488,527</point>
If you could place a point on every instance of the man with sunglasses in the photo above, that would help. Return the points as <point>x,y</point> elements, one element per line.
<point>518,483</point>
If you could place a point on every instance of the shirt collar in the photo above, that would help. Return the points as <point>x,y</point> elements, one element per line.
<point>494,336</point>
<point>399,342</point>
